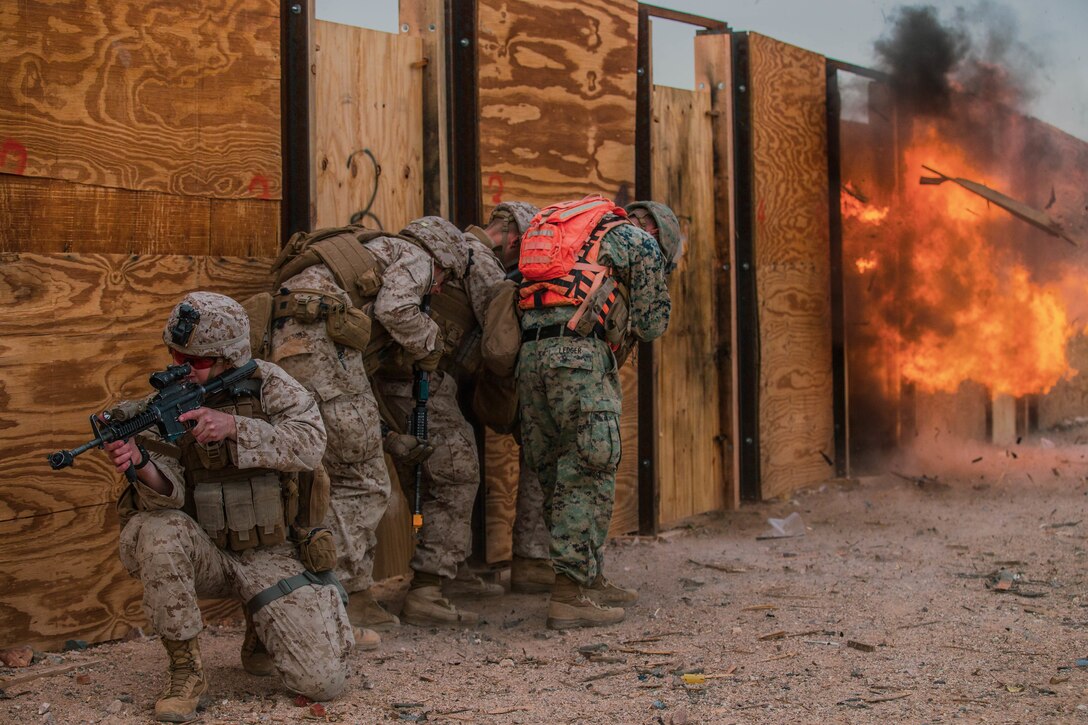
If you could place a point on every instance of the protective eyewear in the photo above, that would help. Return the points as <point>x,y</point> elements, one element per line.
<point>196,362</point>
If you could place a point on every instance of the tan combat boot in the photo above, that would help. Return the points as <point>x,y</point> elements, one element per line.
<point>366,639</point>
<point>365,612</point>
<point>426,607</point>
<point>255,659</point>
<point>467,584</point>
<point>609,594</point>
<point>569,607</point>
<point>531,576</point>
<point>188,686</point>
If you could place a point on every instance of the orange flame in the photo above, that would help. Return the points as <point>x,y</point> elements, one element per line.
<point>866,264</point>
<point>971,309</point>
<point>854,208</point>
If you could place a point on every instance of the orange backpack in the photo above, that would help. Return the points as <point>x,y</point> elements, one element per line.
<point>559,253</point>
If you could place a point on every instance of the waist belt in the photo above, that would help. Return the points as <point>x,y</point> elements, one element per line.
<point>285,586</point>
<point>558,330</point>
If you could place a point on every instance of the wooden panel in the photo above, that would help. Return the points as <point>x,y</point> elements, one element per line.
<point>170,97</point>
<point>426,20</point>
<point>45,215</point>
<point>61,578</point>
<point>557,99</point>
<point>396,541</point>
<point>789,139</point>
<point>714,70</point>
<point>501,465</point>
<point>557,121</point>
<point>369,98</point>
<point>688,403</point>
<point>78,332</point>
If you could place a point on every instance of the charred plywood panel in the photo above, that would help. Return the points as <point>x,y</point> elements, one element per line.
<point>181,98</point>
<point>557,121</point>
<point>789,157</point>
<point>689,475</point>
<point>368,140</point>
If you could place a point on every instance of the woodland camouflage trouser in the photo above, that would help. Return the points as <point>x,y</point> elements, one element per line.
<point>451,475</point>
<point>531,537</point>
<point>569,393</point>
<point>306,632</point>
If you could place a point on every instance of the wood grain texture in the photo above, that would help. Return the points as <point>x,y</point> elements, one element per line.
<point>426,20</point>
<point>689,466</point>
<point>557,99</point>
<point>714,69</point>
<point>61,579</point>
<point>501,466</point>
<point>180,98</point>
<point>557,121</point>
<point>45,215</point>
<point>396,540</point>
<point>789,138</point>
<point>368,97</point>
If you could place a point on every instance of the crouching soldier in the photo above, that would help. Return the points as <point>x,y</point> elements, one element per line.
<point>213,515</point>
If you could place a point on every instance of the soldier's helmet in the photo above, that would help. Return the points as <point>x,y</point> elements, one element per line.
<point>520,212</point>
<point>206,324</point>
<point>668,235</point>
<point>443,240</point>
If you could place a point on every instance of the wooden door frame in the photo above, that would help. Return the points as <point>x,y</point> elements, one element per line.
<point>647,363</point>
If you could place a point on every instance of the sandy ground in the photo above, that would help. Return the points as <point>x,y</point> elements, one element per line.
<point>891,606</point>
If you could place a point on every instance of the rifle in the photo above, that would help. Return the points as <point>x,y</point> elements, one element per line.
<point>175,396</point>
<point>417,426</point>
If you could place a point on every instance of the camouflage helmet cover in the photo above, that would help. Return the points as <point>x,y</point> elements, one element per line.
<point>206,324</point>
<point>522,212</point>
<point>443,240</point>
<point>669,236</point>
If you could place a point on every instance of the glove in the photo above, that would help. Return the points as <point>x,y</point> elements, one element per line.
<point>430,363</point>
<point>406,449</point>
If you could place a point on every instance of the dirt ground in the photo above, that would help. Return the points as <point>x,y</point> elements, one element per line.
<point>952,589</point>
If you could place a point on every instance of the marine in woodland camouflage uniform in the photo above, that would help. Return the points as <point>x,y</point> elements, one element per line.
<point>337,377</point>
<point>451,474</point>
<point>305,634</point>
<point>570,400</point>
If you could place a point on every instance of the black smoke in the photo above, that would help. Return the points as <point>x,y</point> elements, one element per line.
<point>920,54</point>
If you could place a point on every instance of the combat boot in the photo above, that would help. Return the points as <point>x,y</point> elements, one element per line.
<point>467,584</point>
<point>187,688</point>
<point>255,659</point>
<point>609,594</point>
<point>365,612</point>
<point>366,639</point>
<point>531,576</point>
<point>425,607</point>
<point>569,607</point>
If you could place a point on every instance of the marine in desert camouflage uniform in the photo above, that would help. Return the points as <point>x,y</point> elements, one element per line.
<point>337,376</point>
<point>451,474</point>
<point>303,635</point>
<point>570,401</point>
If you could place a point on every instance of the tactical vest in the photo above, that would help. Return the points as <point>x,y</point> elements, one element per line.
<point>238,508</point>
<point>589,285</point>
<point>452,312</point>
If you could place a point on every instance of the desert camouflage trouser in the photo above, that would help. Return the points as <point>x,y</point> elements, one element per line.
<point>360,484</point>
<point>531,537</point>
<point>569,394</point>
<point>451,475</point>
<point>306,632</point>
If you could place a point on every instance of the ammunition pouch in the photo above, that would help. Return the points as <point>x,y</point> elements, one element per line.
<point>317,549</point>
<point>596,307</point>
<point>240,515</point>
<point>502,331</point>
<point>346,325</point>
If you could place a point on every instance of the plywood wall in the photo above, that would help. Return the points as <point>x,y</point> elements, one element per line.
<point>557,121</point>
<point>127,178</point>
<point>368,140</point>
<point>791,240</point>
<point>690,477</point>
